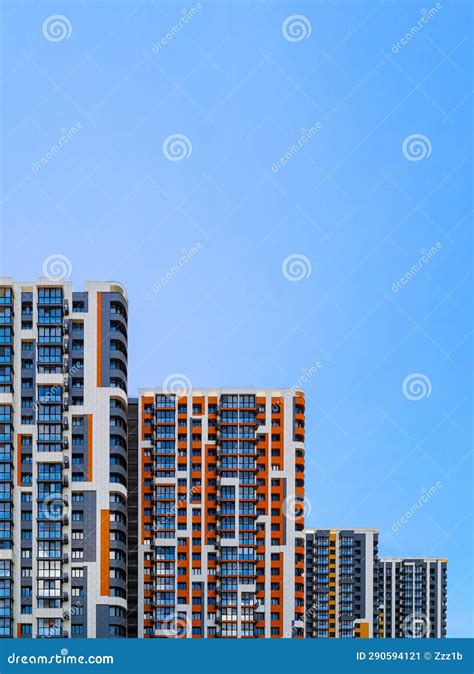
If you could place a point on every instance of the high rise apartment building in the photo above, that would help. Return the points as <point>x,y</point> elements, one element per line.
<point>352,592</point>
<point>179,513</point>
<point>63,459</point>
<point>341,596</point>
<point>221,542</point>
<point>413,597</point>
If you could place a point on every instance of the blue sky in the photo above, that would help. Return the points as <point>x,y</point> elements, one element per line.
<point>356,199</point>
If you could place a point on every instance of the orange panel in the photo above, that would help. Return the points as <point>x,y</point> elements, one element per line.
<point>89,448</point>
<point>364,630</point>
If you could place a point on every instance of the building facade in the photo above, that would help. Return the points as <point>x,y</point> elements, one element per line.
<point>341,595</point>
<point>63,459</point>
<point>413,597</point>
<point>221,514</point>
<point>176,514</point>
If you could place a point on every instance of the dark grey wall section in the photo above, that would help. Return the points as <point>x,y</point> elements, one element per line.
<point>105,329</point>
<point>90,526</point>
<point>107,335</point>
<point>360,563</point>
<point>81,297</point>
<point>102,621</point>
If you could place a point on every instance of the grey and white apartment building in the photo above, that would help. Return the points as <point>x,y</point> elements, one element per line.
<point>63,453</point>
<point>352,592</point>
<point>341,592</point>
<point>174,514</point>
<point>413,599</point>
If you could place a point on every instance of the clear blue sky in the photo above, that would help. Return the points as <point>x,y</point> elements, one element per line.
<point>348,199</point>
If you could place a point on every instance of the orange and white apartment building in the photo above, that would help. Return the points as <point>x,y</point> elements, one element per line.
<point>221,496</point>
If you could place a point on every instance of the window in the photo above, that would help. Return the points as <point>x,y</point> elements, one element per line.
<point>50,295</point>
